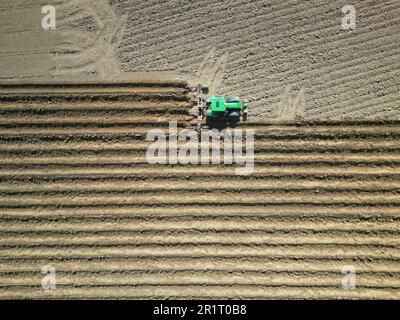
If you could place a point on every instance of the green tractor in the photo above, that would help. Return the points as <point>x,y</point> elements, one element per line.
<point>229,110</point>
<point>221,111</point>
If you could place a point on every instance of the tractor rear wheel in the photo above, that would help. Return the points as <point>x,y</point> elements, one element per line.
<point>232,99</point>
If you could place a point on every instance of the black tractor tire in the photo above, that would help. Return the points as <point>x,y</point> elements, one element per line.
<point>232,99</point>
<point>235,115</point>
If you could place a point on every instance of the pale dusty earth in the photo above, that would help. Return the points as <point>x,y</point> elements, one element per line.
<point>77,193</point>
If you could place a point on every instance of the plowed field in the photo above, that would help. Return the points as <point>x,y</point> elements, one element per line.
<point>77,193</point>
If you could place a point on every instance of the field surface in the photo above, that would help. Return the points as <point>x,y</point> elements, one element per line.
<point>77,193</point>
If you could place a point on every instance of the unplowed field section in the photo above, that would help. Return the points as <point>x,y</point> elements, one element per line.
<point>77,193</point>
<point>270,46</point>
